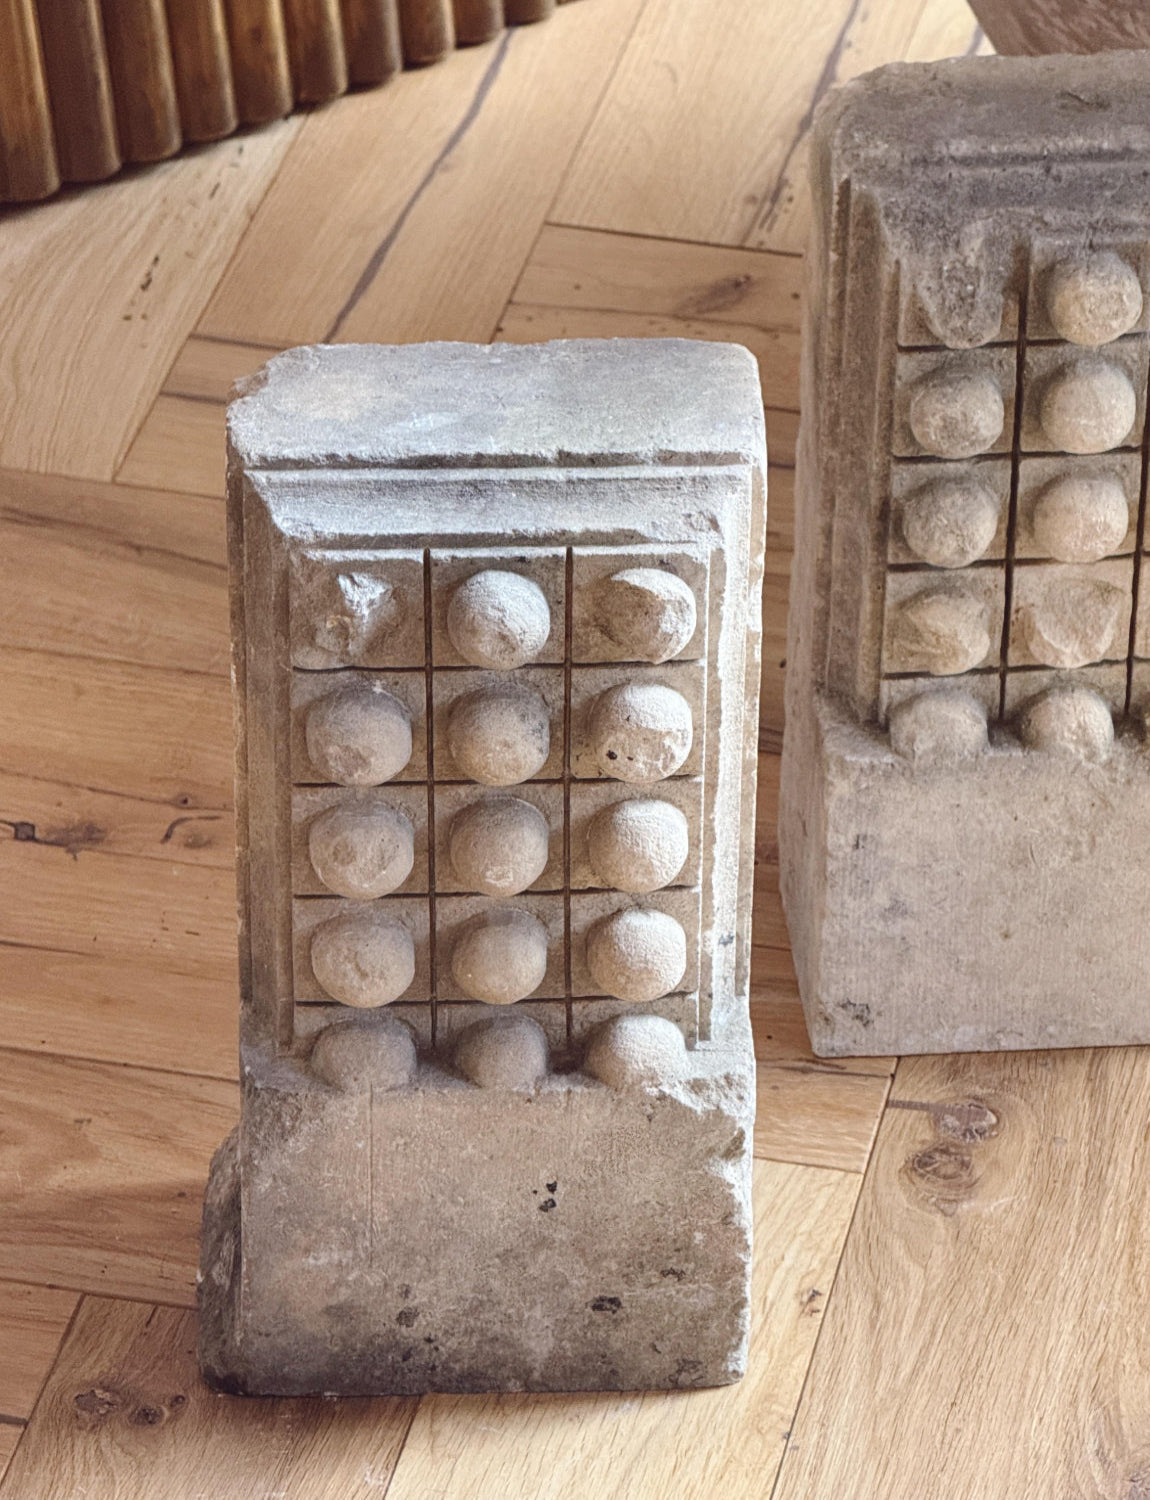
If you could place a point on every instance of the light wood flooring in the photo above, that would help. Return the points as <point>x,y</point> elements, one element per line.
<point>952,1255</point>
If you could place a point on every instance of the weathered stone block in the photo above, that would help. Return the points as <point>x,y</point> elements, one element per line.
<point>496,655</point>
<point>965,802</point>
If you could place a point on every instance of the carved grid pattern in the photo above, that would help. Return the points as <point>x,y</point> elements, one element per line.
<point>1119,673</point>
<point>428,670</point>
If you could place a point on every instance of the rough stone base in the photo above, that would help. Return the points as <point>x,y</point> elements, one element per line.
<point>965,907</point>
<point>449,1238</point>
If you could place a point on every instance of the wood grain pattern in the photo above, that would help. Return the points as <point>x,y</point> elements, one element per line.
<point>440,184</point>
<point>33,1320</point>
<point>143,83</point>
<point>260,68</point>
<point>27,153</point>
<point>202,67</point>
<point>986,1290</point>
<point>103,1172</point>
<point>80,89</point>
<point>372,40</point>
<point>146,251</point>
<point>1045,26</point>
<point>100,570</point>
<point>10,1435</point>
<point>143,732</point>
<point>126,1417</point>
<point>680,1444</point>
<point>119,1010</point>
<point>720,156</point>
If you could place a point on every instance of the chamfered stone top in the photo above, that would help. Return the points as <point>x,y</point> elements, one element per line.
<point>575,401</point>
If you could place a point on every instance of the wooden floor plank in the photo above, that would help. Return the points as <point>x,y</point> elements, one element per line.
<point>686,1444</point>
<point>101,570</point>
<point>10,1435</point>
<point>180,446</point>
<point>946,28</point>
<point>62,815</point>
<point>125,1417</point>
<point>985,1325</point>
<point>116,727</point>
<point>817,1117</point>
<point>438,185</point>
<point>112,1009</point>
<point>99,289</point>
<point>33,1320</point>
<point>102,1174</point>
<point>175,916</point>
<point>691,143</point>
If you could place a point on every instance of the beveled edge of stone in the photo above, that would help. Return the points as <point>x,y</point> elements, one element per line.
<point>979,110</point>
<point>567,402</point>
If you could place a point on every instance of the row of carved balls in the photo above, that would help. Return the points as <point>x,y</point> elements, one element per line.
<point>501,1052</point>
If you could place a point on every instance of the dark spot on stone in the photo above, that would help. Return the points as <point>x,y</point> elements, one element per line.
<point>687,1372</point>
<point>734,1147</point>
<point>612,755</point>
<point>406,1355</point>
<point>547,1205</point>
<point>406,1316</point>
<point>607,1304</point>
<point>552,1187</point>
<point>177,1401</point>
<point>858,1011</point>
<point>146,1416</point>
<point>405,1291</point>
<point>726,940</point>
<point>673,1273</point>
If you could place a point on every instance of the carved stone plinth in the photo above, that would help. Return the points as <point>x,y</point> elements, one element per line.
<point>496,655</point>
<point>965,806</point>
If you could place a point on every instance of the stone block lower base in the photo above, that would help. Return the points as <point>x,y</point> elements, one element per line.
<point>443,1237</point>
<point>994,903</point>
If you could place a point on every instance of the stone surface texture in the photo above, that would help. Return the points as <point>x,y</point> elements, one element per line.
<point>496,647</point>
<point>965,805</point>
